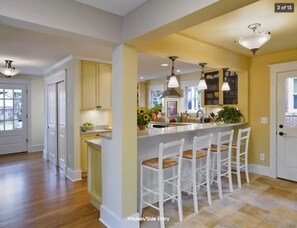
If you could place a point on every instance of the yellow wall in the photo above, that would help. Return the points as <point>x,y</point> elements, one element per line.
<point>259,100</point>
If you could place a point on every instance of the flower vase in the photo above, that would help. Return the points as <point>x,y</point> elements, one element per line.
<point>141,127</point>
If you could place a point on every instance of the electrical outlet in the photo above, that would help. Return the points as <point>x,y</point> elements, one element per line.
<point>262,157</point>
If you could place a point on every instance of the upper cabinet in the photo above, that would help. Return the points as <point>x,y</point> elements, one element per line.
<point>213,96</point>
<point>95,85</point>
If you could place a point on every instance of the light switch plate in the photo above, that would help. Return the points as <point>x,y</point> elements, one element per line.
<point>264,120</point>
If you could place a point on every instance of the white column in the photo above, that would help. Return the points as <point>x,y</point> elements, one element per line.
<point>119,155</point>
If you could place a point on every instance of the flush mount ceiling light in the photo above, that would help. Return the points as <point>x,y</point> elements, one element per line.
<point>254,40</point>
<point>173,83</point>
<point>226,74</point>
<point>8,70</point>
<point>202,84</point>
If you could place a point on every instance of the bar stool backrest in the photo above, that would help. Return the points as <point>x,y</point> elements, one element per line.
<point>172,149</point>
<point>243,139</point>
<point>225,139</point>
<point>200,143</point>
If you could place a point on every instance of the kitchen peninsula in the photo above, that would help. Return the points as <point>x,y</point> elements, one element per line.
<point>147,147</point>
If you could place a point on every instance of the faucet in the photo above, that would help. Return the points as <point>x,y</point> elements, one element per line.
<point>202,118</point>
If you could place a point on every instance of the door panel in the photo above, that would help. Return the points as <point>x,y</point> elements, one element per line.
<point>61,125</point>
<point>52,123</point>
<point>13,118</point>
<point>287,125</point>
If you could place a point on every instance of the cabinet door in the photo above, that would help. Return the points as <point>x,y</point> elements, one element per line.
<point>212,95</point>
<point>104,86</point>
<point>231,97</point>
<point>84,152</point>
<point>89,72</point>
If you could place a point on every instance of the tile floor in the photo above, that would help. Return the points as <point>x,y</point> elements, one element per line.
<point>265,202</point>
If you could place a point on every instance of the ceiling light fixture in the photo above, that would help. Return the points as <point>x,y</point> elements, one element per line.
<point>226,74</point>
<point>255,40</point>
<point>164,64</point>
<point>173,83</point>
<point>202,84</point>
<point>8,70</point>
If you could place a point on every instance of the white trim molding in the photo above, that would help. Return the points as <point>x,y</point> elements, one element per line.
<point>45,154</point>
<point>35,148</point>
<point>73,175</point>
<point>261,170</point>
<point>275,69</point>
<point>109,219</point>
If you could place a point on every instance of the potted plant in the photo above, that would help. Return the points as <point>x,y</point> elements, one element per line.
<point>143,118</point>
<point>229,115</point>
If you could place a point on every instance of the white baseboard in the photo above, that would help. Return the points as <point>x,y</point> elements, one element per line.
<point>73,175</point>
<point>111,220</point>
<point>45,154</point>
<point>35,148</point>
<point>262,170</point>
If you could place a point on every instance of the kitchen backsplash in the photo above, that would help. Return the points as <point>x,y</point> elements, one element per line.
<point>98,117</point>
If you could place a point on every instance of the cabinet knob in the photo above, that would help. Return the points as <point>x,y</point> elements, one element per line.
<point>98,106</point>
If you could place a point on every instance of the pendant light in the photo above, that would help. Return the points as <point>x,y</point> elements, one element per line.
<point>8,70</point>
<point>226,74</point>
<point>254,40</point>
<point>202,84</point>
<point>173,83</point>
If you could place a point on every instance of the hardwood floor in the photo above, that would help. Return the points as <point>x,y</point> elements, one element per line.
<point>34,193</point>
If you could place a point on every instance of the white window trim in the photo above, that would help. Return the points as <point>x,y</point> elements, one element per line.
<point>185,84</point>
<point>152,88</point>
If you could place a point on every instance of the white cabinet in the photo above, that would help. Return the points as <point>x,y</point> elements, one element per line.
<point>95,85</point>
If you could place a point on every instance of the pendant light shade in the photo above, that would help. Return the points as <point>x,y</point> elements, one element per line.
<point>9,71</point>
<point>225,86</point>
<point>202,83</point>
<point>173,83</point>
<point>254,40</point>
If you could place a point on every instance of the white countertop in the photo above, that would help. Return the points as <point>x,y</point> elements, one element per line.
<point>94,142</point>
<point>178,129</point>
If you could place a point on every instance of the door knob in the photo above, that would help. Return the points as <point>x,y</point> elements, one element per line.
<point>281,126</point>
<point>282,134</point>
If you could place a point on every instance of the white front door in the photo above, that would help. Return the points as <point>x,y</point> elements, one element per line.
<point>52,123</point>
<point>13,118</point>
<point>287,125</point>
<point>61,125</point>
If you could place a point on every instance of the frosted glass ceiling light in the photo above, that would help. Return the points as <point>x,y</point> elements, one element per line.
<point>8,70</point>
<point>254,40</point>
<point>225,86</point>
<point>173,83</point>
<point>202,84</point>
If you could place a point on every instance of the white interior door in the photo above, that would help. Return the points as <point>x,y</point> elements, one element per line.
<point>52,123</point>
<point>287,125</point>
<point>13,118</point>
<point>61,125</point>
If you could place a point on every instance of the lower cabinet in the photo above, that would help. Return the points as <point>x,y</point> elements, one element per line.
<point>84,151</point>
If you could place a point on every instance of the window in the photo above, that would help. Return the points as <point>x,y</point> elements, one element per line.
<point>295,94</point>
<point>155,97</point>
<point>10,109</point>
<point>291,96</point>
<point>192,98</point>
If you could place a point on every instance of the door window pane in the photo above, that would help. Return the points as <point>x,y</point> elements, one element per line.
<point>17,114</point>
<point>17,104</point>
<point>8,125</point>
<point>18,124</point>
<point>295,101</point>
<point>17,94</point>
<point>295,85</point>
<point>1,125</point>
<point>1,114</point>
<point>8,104</point>
<point>1,93</point>
<point>9,114</point>
<point>8,94</point>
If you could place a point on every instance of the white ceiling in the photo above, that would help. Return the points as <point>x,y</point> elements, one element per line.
<point>119,7</point>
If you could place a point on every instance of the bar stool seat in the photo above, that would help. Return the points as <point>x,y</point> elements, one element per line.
<point>154,163</point>
<point>199,154</point>
<point>214,148</point>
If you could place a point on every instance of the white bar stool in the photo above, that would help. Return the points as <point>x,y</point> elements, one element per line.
<point>222,165</point>
<point>200,153</point>
<point>169,160</point>
<point>240,161</point>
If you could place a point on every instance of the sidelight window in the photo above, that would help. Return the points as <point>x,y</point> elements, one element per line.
<point>192,98</point>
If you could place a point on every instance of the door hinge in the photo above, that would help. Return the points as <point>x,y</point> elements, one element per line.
<point>27,140</point>
<point>26,91</point>
<point>27,116</point>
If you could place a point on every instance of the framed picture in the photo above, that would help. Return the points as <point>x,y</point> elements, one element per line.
<point>171,108</point>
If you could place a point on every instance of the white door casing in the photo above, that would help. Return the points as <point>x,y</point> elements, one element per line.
<point>52,147</point>
<point>13,118</point>
<point>287,125</point>
<point>61,105</point>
